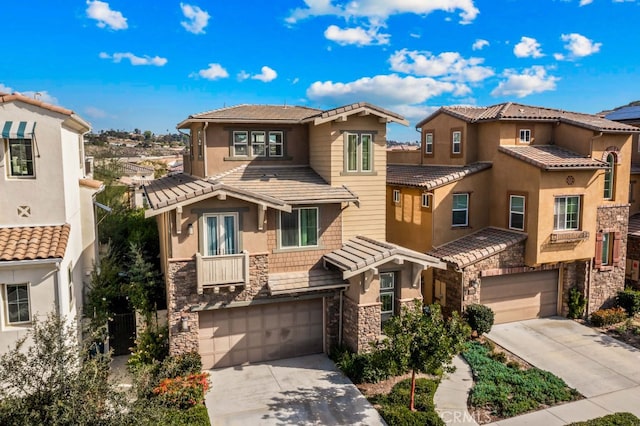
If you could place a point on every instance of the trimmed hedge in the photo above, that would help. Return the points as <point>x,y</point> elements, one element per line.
<point>604,317</point>
<point>370,367</point>
<point>394,406</point>
<point>480,318</point>
<point>629,299</point>
<point>616,419</point>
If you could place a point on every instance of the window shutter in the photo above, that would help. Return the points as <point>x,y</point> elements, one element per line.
<point>598,249</point>
<point>616,248</point>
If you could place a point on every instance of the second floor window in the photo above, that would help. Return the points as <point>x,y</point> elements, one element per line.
<point>241,144</point>
<point>396,196</point>
<point>200,145</point>
<point>428,143</point>
<point>299,228</point>
<point>456,142</point>
<point>426,200</point>
<point>258,143</point>
<point>359,152</point>
<point>20,158</point>
<point>460,210</point>
<point>566,213</point>
<point>525,136</point>
<point>516,212</point>
<point>17,303</point>
<point>221,234</point>
<point>609,174</point>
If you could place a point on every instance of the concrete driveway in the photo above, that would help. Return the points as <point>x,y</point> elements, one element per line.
<point>307,390</point>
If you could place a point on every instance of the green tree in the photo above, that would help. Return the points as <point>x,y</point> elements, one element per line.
<point>144,286</point>
<point>424,341</point>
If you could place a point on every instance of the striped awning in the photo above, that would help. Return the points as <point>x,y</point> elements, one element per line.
<point>18,129</point>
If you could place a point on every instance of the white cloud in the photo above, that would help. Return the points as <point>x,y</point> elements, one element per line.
<point>558,56</point>
<point>295,80</point>
<point>382,9</point>
<point>358,35</point>
<point>531,80</point>
<point>381,90</point>
<point>214,72</point>
<point>479,44</point>
<point>41,95</point>
<point>198,19</point>
<point>243,75</point>
<point>413,113</point>
<point>585,2</point>
<point>449,65</point>
<point>579,46</point>
<point>94,112</point>
<point>133,59</point>
<point>527,48</point>
<point>266,75</point>
<point>5,89</point>
<point>101,12</point>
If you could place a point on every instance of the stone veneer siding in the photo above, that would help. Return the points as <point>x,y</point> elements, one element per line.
<point>633,252</point>
<point>360,325</point>
<point>606,283</point>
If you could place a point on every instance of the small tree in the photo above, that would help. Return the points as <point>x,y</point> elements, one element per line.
<point>424,341</point>
<point>480,318</point>
<point>144,287</point>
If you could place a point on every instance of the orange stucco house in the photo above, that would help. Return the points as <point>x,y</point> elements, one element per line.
<point>522,203</point>
<point>273,239</point>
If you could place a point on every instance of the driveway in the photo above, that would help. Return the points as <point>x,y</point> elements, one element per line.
<point>306,390</point>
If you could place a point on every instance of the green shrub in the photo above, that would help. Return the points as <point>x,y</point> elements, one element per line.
<point>394,406</point>
<point>148,376</point>
<point>629,299</point>
<point>576,303</point>
<point>498,356</point>
<point>151,345</point>
<point>400,415</point>
<point>181,365</point>
<point>616,419</point>
<point>604,317</point>
<point>370,367</point>
<point>480,318</point>
<point>150,413</point>
<point>183,392</point>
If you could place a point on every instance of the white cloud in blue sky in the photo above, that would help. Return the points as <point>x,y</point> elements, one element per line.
<point>101,12</point>
<point>578,46</point>
<point>133,59</point>
<point>266,75</point>
<point>529,81</point>
<point>448,65</point>
<point>197,19</point>
<point>479,44</point>
<point>528,47</point>
<point>214,72</point>
<point>358,35</point>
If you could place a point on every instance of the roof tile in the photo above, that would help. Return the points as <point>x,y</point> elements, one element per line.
<point>552,157</point>
<point>430,177</point>
<point>30,243</point>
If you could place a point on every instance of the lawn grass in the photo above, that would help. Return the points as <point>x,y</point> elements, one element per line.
<point>394,406</point>
<point>506,390</point>
<point>616,419</point>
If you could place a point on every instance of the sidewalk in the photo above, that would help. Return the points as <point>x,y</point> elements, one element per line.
<point>452,394</point>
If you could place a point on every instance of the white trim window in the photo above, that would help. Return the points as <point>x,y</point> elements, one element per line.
<point>460,210</point>
<point>276,148</point>
<point>525,135</point>
<point>20,158</point>
<point>359,152</point>
<point>607,249</point>
<point>428,143</point>
<point>396,196</point>
<point>516,212</point>
<point>566,213</point>
<point>456,142</point>
<point>17,303</point>
<point>258,143</point>
<point>220,235</point>
<point>241,143</point>
<point>426,200</point>
<point>299,228</point>
<point>387,295</point>
<point>609,174</point>
<point>70,284</point>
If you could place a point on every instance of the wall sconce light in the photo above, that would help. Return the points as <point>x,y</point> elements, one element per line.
<point>190,229</point>
<point>184,324</point>
<point>475,283</point>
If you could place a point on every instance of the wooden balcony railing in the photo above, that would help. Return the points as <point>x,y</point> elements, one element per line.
<point>223,270</point>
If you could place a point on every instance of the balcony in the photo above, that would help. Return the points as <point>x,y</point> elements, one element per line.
<point>559,237</point>
<point>222,271</point>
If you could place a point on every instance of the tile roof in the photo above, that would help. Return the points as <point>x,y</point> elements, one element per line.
<point>134,168</point>
<point>430,177</point>
<point>362,253</point>
<point>477,246</point>
<point>91,183</point>
<point>634,225</point>
<point>510,111</point>
<point>359,106</point>
<point>552,157</point>
<point>254,114</point>
<point>36,242</point>
<point>306,281</point>
<point>5,97</point>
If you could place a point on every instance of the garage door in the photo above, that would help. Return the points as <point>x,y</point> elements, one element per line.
<point>517,297</point>
<point>233,336</point>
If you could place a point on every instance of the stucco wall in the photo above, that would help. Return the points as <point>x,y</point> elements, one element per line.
<point>408,223</point>
<point>442,124</point>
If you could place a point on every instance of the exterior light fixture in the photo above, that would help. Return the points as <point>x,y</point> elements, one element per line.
<point>190,229</point>
<point>184,324</point>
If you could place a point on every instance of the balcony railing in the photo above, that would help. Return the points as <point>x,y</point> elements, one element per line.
<point>569,236</point>
<point>223,270</point>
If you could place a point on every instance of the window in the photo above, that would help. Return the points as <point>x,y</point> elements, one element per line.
<point>70,283</point>
<point>608,176</point>
<point>299,228</point>
<point>241,144</point>
<point>456,142</point>
<point>396,196</point>
<point>17,301</point>
<point>607,250</point>
<point>275,144</point>
<point>566,213</point>
<point>359,152</point>
<point>428,143</point>
<point>516,212</point>
<point>426,200</point>
<point>258,144</point>
<point>460,210</point>
<point>525,136</point>
<point>20,158</point>
<point>221,234</point>
<point>200,145</point>
<point>387,294</point>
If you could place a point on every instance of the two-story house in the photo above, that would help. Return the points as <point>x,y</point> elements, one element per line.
<point>47,227</point>
<point>522,203</point>
<point>273,240</point>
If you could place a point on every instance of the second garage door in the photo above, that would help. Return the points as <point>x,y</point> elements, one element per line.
<point>517,297</point>
<point>233,336</point>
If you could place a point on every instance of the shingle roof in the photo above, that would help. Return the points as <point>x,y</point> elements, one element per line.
<point>36,242</point>
<point>510,111</point>
<point>306,281</point>
<point>254,114</point>
<point>477,246</point>
<point>430,177</point>
<point>362,253</point>
<point>552,157</point>
<point>634,225</point>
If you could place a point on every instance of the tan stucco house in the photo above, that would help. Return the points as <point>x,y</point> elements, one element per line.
<point>47,227</point>
<point>522,203</point>
<point>273,240</point>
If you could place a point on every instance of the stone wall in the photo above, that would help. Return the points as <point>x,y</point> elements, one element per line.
<point>360,325</point>
<point>633,252</point>
<point>333,321</point>
<point>574,274</point>
<point>453,292</point>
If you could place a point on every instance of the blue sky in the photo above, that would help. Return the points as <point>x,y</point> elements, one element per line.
<point>149,64</point>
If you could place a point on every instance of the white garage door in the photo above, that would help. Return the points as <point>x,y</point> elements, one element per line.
<point>234,336</point>
<point>517,297</point>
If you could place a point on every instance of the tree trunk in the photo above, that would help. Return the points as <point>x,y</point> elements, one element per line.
<point>413,390</point>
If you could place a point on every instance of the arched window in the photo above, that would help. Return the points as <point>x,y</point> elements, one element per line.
<point>609,175</point>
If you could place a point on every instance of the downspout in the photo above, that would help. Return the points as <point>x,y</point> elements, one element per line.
<point>58,291</point>
<point>204,149</point>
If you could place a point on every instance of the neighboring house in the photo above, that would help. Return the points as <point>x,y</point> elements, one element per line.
<point>135,176</point>
<point>522,203</point>
<point>47,227</point>
<point>273,243</point>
